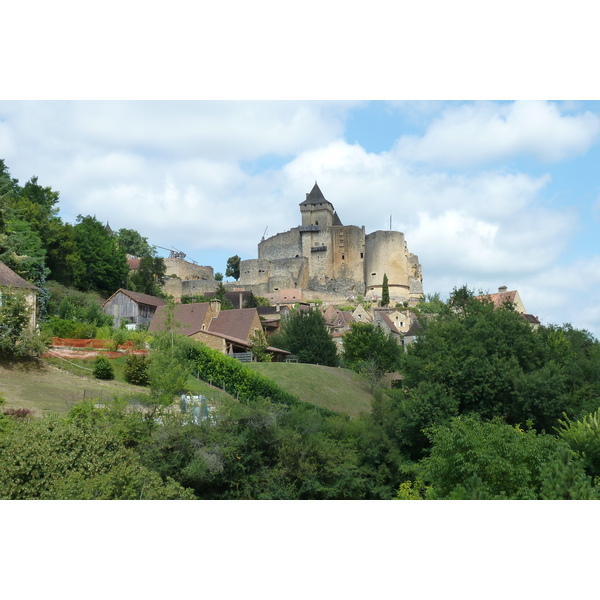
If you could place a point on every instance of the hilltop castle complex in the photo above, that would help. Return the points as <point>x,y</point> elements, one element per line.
<point>324,255</point>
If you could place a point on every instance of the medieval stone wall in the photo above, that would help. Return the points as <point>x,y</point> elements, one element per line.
<point>386,253</point>
<point>186,270</point>
<point>333,259</point>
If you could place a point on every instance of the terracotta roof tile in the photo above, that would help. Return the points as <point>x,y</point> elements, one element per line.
<point>189,317</point>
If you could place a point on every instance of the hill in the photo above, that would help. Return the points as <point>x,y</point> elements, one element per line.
<point>45,388</point>
<point>337,389</point>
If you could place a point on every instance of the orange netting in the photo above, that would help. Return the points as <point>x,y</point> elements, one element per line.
<point>98,344</point>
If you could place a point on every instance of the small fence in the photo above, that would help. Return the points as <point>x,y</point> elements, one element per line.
<point>243,356</point>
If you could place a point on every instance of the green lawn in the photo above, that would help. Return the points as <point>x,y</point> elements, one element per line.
<point>54,385</point>
<point>340,390</point>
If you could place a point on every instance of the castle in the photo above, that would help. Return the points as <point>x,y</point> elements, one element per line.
<point>325,256</point>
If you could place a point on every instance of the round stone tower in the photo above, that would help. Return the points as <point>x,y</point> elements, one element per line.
<point>386,253</point>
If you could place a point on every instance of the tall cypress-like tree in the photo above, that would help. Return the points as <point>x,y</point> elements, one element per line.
<point>385,291</point>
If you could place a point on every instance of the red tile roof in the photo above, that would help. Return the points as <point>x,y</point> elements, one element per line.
<point>139,298</point>
<point>189,316</point>
<point>498,299</point>
<point>235,323</point>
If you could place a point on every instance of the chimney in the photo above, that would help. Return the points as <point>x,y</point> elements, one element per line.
<point>502,289</point>
<point>215,306</point>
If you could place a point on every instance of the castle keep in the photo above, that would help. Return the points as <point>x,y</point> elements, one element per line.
<point>324,255</point>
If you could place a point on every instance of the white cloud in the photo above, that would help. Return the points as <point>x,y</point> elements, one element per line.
<point>176,172</point>
<point>472,134</point>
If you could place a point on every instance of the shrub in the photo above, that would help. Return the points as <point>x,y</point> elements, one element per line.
<point>64,328</point>
<point>136,369</point>
<point>103,369</point>
<point>18,413</point>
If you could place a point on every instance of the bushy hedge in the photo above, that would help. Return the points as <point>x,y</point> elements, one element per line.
<point>67,329</point>
<point>238,380</point>
<point>103,369</point>
<point>136,369</point>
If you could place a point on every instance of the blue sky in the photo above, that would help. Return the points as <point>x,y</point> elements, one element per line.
<point>487,193</point>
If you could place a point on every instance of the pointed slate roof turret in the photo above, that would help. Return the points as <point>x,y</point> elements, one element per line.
<point>315,196</point>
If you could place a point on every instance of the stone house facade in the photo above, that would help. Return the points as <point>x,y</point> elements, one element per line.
<point>10,283</point>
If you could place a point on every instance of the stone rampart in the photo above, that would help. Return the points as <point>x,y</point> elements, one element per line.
<point>186,270</point>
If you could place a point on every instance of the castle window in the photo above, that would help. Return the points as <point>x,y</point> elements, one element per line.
<point>316,222</point>
<point>342,257</point>
<point>361,255</point>
<point>373,274</point>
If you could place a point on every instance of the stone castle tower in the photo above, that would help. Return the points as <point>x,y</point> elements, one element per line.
<point>324,255</point>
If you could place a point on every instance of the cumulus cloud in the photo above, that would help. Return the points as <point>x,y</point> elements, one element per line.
<point>479,133</point>
<point>185,175</point>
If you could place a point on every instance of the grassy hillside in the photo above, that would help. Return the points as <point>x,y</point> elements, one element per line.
<point>341,390</point>
<point>44,388</point>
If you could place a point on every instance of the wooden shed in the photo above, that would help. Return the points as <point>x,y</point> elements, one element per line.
<point>133,307</point>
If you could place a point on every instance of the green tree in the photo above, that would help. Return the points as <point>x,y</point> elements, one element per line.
<point>150,276</point>
<point>136,369</point>
<point>103,368</point>
<point>259,345</point>
<point>366,346</point>
<point>256,301</point>
<point>489,361</point>
<point>385,291</point>
<point>233,267</point>
<point>105,264</point>
<point>492,458</point>
<point>65,459</point>
<point>307,337</point>
<point>17,338</point>
<point>170,364</point>
<point>131,242</point>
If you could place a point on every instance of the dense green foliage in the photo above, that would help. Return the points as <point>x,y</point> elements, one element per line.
<point>385,291</point>
<point>75,459</point>
<point>304,334</point>
<point>473,358</point>
<point>105,264</point>
<point>136,369</point>
<point>103,369</point>
<point>367,349</point>
<point>17,339</point>
<point>233,267</point>
<point>149,277</point>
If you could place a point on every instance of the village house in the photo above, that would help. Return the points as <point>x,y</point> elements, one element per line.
<point>228,331</point>
<point>134,308</point>
<point>11,282</point>
<point>503,296</point>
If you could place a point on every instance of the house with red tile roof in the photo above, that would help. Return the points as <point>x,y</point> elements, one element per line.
<point>503,296</point>
<point>228,331</point>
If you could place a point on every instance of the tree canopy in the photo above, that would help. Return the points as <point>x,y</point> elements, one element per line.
<point>307,337</point>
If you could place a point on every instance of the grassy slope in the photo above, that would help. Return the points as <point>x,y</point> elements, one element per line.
<point>44,388</point>
<point>341,390</point>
